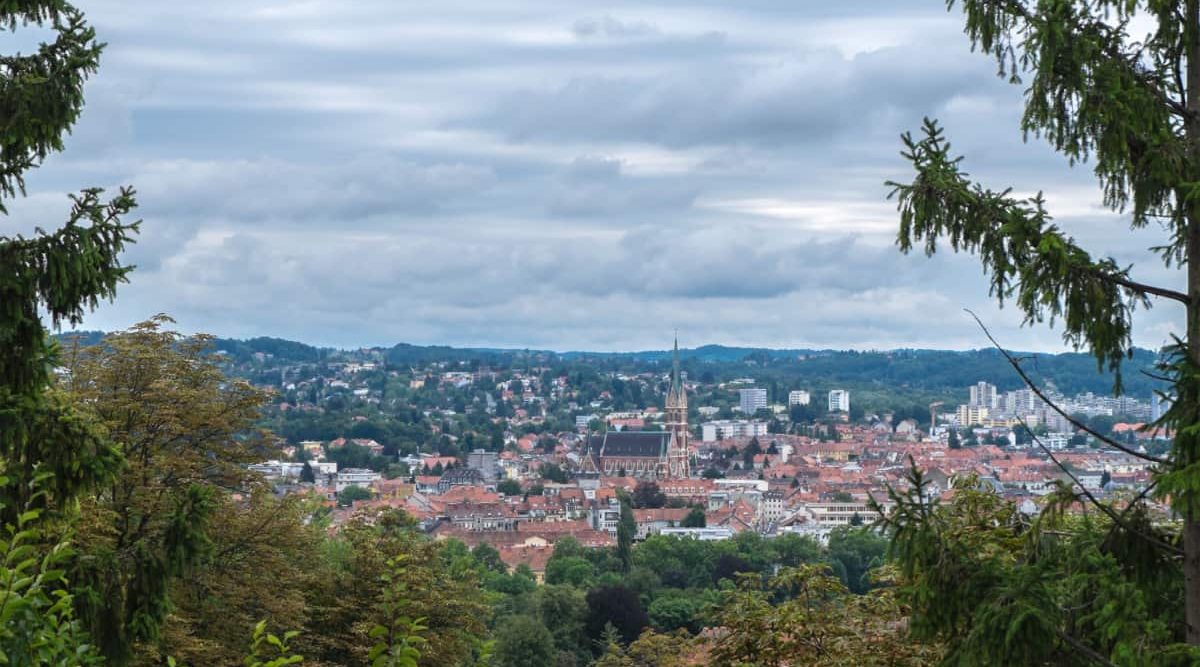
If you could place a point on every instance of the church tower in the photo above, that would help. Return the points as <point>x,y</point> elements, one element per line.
<point>677,423</point>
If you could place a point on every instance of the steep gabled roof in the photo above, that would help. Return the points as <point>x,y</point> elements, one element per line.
<point>649,444</point>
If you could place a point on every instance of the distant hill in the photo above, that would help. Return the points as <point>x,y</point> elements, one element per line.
<point>915,368</point>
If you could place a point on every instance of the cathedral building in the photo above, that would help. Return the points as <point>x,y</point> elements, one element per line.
<point>648,454</point>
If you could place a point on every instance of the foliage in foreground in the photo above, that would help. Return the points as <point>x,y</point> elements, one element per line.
<point>997,587</point>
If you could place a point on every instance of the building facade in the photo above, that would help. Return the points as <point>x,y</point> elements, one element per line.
<point>725,428</point>
<point>839,400</point>
<point>799,397</point>
<point>752,400</point>
<point>648,454</point>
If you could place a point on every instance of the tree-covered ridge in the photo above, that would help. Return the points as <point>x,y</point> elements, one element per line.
<point>933,370</point>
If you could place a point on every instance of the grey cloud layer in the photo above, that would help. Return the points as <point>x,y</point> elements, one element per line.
<point>562,174</point>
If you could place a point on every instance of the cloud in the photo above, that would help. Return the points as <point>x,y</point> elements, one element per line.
<point>800,97</point>
<point>612,28</point>
<point>532,174</point>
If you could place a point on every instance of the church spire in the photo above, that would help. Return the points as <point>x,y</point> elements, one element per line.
<point>675,381</point>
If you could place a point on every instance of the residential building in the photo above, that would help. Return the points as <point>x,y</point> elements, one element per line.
<point>459,477</point>
<point>752,400</point>
<point>702,534</point>
<point>354,477</point>
<point>484,462</point>
<point>731,428</point>
<point>983,395</point>
<point>799,397</point>
<point>839,400</point>
<point>971,415</point>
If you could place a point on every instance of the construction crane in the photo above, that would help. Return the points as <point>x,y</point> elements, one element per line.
<point>933,414</point>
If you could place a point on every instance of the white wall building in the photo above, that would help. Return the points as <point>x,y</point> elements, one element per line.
<point>799,397</point>
<point>731,428</point>
<point>983,395</point>
<point>839,400</point>
<point>752,400</point>
<point>355,477</point>
<point>702,534</point>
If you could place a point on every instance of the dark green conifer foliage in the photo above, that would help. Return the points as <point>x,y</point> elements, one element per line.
<point>63,272</point>
<point>1128,104</point>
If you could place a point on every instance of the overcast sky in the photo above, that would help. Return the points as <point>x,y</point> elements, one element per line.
<point>564,175</point>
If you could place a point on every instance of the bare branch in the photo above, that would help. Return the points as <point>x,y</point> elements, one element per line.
<point>1108,511</point>
<point>1040,394</point>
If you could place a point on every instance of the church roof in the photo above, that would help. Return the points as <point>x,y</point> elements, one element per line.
<point>652,444</point>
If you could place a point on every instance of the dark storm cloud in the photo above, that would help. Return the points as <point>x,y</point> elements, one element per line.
<point>566,174</point>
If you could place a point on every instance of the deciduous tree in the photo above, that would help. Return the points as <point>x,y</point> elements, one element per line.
<point>183,431</point>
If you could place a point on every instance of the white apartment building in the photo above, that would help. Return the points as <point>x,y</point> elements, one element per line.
<point>983,395</point>
<point>355,477</point>
<point>731,428</point>
<point>799,397</point>
<point>752,400</point>
<point>839,400</point>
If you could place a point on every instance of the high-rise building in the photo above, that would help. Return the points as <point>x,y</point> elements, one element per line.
<point>983,395</point>
<point>799,397</point>
<point>752,400</point>
<point>839,400</point>
<point>1159,405</point>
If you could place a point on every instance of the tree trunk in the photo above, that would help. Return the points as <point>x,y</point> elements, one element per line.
<point>1191,528</point>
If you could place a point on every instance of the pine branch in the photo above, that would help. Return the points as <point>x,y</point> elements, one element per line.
<point>1142,288</point>
<point>1112,51</point>
<point>1086,650</point>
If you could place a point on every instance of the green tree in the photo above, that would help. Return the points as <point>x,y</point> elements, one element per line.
<point>554,473</point>
<point>343,605</point>
<point>651,649</point>
<point>509,487</point>
<point>617,607</point>
<point>183,431</point>
<point>563,610</point>
<point>953,440</point>
<point>695,518</point>
<point>804,616</point>
<point>348,495</point>
<point>522,641</point>
<point>571,570</point>
<point>648,495</point>
<point>61,273</point>
<point>626,529</point>
<point>856,551</point>
<point>675,610</point>
<point>1130,104</point>
<point>992,588</point>
<point>264,555</point>
<point>37,626</point>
